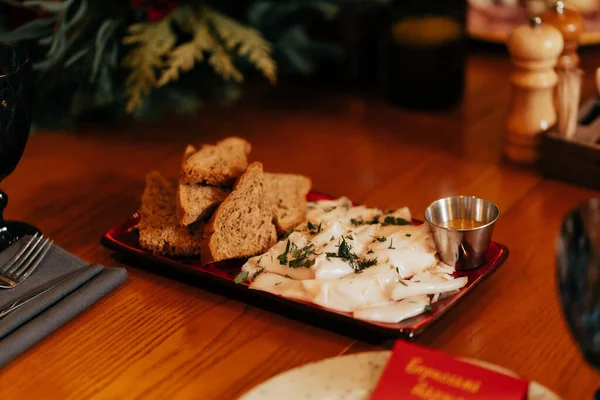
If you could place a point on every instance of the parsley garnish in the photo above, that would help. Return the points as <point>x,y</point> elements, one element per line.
<point>427,308</point>
<point>389,220</point>
<point>408,235</point>
<point>379,239</point>
<point>283,256</point>
<point>287,276</point>
<point>287,233</point>
<point>257,273</point>
<point>391,243</point>
<point>241,277</point>
<point>345,253</point>
<point>258,261</point>
<point>278,283</point>
<point>370,252</point>
<point>350,237</point>
<point>366,264</point>
<point>360,221</point>
<point>402,282</point>
<point>298,257</point>
<point>314,229</point>
<point>332,239</point>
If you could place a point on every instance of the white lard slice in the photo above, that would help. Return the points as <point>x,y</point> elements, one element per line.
<point>279,285</point>
<point>348,294</point>
<point>408,262</point>
<point>271,263</point>
<point>394,312</point>
<point>406,288</point>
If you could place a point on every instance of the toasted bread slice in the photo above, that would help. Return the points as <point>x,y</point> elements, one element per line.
<point>159,229</point>
<point>287,194</point>
<point>217,165</point>
<point>188,152</point>
<point>242,226</point>
<point>196,202</point>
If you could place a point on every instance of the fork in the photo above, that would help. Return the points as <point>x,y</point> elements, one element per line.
<point>22,264</point>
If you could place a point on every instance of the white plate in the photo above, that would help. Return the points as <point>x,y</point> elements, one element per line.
<point>349,377</point>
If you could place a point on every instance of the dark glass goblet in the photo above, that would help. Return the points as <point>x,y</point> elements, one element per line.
<point>578,259</point>
<point>16,96</point>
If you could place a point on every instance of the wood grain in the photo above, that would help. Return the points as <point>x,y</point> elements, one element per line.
<point>160,337</point>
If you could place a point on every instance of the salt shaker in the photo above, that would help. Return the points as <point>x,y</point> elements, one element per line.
<point>534,49</point>
<point>570,24</point>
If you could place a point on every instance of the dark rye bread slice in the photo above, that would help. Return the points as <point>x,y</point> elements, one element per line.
<point>159,229</point>
<point>197,201</point>
<point>217,165</point>
<point>242,226</point>
<point>287,194</point>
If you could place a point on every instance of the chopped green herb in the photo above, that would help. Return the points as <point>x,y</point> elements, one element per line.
<point>283,256</point>
<point>350,237</point>
<point>302,263</point>
<point>258,261</point>
<point>380,238</point>
<point>374,221</point>
<point>389,220</point>
<point>346,206</point>
<point>366,263</point>
<point>427,308</point>
<point>288,233</point>
<point>287,276</point>
<point>412,302</point>
<point>408,235</point>
<point>354,221</point>
<point>278,283</point>
<point>389,211</point>
<point>345,253</point>
<point>391,244</point>
<point>329,209</point>
<point>314,229</point>
<point>257,273</point>
<point>370,252</point>
<point>418,281</point>
<point>332,239</point>
<point>241,277</point>
<point>296,258</point>
<point>402,282</point>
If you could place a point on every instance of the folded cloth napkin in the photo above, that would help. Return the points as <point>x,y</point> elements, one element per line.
<point>33,321</point>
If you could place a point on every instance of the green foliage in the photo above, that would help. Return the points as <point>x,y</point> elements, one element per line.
<point>105,55</point>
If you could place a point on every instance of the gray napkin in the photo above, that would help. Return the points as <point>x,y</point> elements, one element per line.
<point>29,324</point>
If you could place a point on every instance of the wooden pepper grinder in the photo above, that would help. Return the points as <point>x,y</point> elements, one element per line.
<point>534,50</point>
<point>570,24</point>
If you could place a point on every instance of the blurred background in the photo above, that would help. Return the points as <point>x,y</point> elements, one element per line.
<point>137,60</point>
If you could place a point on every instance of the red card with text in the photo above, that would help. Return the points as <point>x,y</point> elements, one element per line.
<point>416,372</point>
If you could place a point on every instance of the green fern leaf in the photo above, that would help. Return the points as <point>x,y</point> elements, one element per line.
<point>184,56</point>
<point>248,42</point>
<point>154,41</point>
<point>221,62</point>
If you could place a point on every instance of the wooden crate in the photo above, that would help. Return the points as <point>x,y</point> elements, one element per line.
<point>575,160</point>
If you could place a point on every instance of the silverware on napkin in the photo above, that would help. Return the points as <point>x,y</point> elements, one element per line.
<point>45,288</point>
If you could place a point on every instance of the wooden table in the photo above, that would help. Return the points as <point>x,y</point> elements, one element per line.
<point>159,338</point>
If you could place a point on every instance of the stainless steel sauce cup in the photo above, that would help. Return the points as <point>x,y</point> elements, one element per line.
<point>463,249</point>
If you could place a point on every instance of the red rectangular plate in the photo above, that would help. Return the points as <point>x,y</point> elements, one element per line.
<point>124,238</point>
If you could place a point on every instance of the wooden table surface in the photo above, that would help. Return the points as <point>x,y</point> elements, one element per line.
<point>157,337</point>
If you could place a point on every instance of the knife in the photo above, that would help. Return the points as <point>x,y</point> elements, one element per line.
<point>45,288</point>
